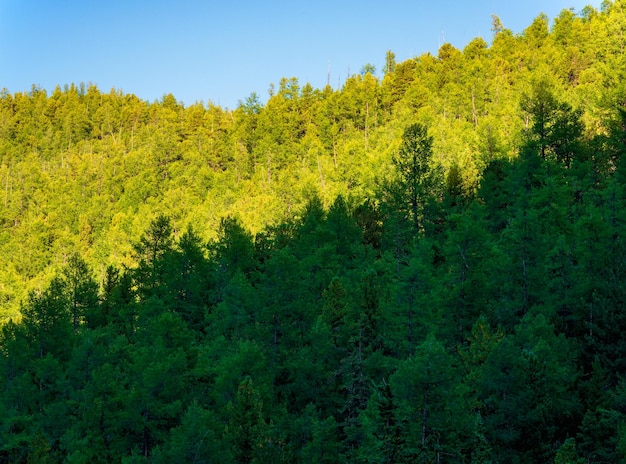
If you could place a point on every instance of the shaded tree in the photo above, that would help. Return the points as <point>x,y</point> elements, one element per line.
<point>417,177</point>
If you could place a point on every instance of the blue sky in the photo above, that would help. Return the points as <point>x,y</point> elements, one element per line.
<point>222,51</point>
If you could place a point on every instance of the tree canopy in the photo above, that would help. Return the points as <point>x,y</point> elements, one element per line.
<point>425,266</point>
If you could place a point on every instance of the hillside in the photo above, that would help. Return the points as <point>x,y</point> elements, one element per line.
<point>83,170</point>
<point>422,266</point>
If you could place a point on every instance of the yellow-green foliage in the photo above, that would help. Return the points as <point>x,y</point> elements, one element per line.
<point>85,170</point>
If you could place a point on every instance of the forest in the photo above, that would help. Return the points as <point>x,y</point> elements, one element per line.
<point>422,266</point>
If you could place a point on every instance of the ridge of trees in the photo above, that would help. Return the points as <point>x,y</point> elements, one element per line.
<point>480,326</point>
<point>83,170</point>
<point>422,267</point>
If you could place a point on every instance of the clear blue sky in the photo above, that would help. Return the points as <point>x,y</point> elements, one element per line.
<point>222,51</point>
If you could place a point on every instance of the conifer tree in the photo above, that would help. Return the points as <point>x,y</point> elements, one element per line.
<point>417,178</point>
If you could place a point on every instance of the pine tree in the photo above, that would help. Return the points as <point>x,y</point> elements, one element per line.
<point>246,430</point>
<point>417,178</point>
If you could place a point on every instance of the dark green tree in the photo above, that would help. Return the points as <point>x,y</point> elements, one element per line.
<point>150,254</point>
<point>194,440</point>
<point>187,277</point>
<point>83,293</point>
<point>417,178</point>
<point>390,434</point>
<point>47,320</point>
<point>246,430</point>
<point>555,128</point>
<point>528,391</point>
<point>431,403</point>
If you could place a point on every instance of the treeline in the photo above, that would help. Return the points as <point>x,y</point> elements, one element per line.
<point>85,171</point>
<point>422,267</point>
<point>433,325</point>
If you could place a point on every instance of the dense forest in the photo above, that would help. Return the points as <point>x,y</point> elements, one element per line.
<point>423,266</point>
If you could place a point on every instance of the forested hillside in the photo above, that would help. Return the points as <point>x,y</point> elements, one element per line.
<point>422,266</point>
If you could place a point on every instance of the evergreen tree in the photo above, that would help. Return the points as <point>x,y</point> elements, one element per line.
<point>150,254</point>
<point>417,178</point>
<point>83,293</point>
<point>246,430</point>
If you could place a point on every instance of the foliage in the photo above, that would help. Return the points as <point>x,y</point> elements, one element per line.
<point>404,269</point>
